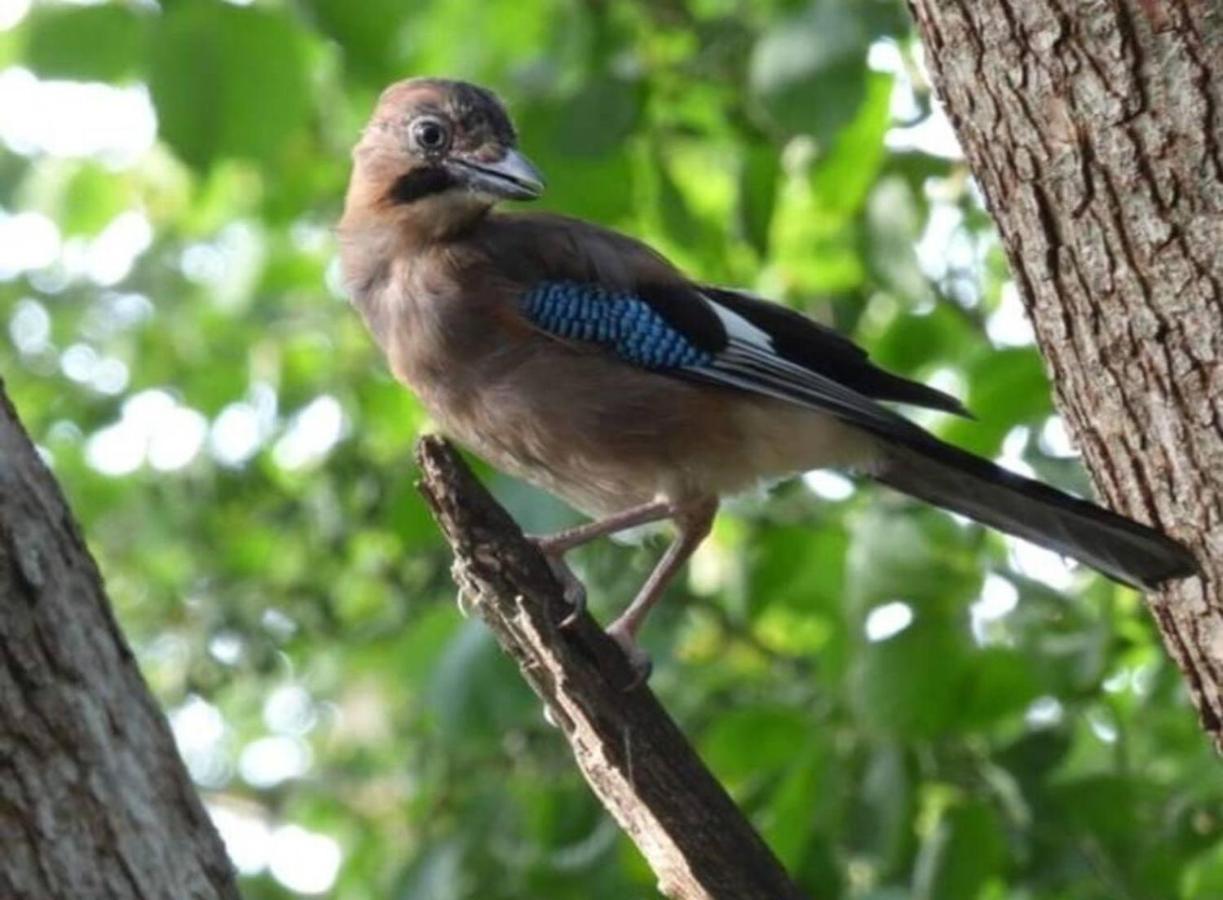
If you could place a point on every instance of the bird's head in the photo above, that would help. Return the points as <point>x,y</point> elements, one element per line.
<point>438,155</point>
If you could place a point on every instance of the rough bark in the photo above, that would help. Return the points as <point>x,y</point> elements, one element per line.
<point>94,800</point>
<point>634,757</point>
<point>1095,130</point>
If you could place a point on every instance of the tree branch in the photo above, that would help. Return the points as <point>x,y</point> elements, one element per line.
<point>635,758</point>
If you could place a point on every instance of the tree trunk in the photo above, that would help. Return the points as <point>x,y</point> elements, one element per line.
<point>94,801</point>
<point>1094,129</point>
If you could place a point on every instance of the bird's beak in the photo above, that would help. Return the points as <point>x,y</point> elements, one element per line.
<point>512,177</point>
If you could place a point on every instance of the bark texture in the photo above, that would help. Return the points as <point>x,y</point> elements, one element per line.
<point>1095,130</point>
<point>635,758</point>
<point>94,801</point>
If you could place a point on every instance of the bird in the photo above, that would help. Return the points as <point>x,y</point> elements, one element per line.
<point>581,360</point>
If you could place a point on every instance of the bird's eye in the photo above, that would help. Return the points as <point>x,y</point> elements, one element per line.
<point>430,135</point>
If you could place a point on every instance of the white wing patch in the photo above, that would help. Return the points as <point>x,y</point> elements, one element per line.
<point>750,361</point>
<point>739,328</point>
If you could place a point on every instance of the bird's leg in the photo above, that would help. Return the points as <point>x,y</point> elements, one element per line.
<point>694,523</point>
<point>563,541</point>
<point>555,546</point>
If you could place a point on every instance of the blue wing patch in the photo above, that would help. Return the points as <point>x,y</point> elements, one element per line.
<point>728,342</point>
<point>618,320</point>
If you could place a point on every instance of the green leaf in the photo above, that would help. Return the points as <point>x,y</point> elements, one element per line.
<point>753,742</point>
<point>965,850</point>
<point>1000,683</point>
<point>885,18</point>
<point>915,342</point>
<point>599,188</point>
<point>437,872</point>
<point>808,72</point>
<point>597,120</point>
<point>1089,806</point>
<point>888,893</point>
<point>1006,388</point>
<point>228,82</point>
<point>895,224</point>
<point>790,820</point>
<point>908,685</point>
<point>759,175</point>
<point>473,692</point>
<point>799,567</point>
<point>416,654</point>
<point>91,199</point>
<point>1205,877</point>
<point>922,557</point>
<point>1033,755</point>
<point>880,825</point>
<point>675,214</point>
<point>370,32</point>
<point>87,43</point>
<point>842,178</point>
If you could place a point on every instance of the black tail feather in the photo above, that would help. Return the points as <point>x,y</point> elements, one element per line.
<point>956,480</point>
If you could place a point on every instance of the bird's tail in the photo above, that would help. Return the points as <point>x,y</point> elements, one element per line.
<point>961,482</point>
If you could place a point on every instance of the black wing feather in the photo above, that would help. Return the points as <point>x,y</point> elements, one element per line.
<point>822,350</point>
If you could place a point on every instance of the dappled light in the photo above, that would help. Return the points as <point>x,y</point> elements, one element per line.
<point>873,680</point>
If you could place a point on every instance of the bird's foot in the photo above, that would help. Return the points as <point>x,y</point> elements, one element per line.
<point>571,586</point>
<point>638,660</point>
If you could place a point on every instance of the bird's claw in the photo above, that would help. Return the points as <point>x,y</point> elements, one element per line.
<point>572,588</point>
<point>575,596</point>
<point>638,660</point>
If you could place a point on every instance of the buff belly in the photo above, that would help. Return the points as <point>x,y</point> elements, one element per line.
<point>607,438</point>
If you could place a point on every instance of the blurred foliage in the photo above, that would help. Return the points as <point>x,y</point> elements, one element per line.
<point>853,666</point>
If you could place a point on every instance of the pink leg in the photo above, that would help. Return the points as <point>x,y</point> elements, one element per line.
<point>555,546</point>
<point>694,523</point>
<point>564,541</point>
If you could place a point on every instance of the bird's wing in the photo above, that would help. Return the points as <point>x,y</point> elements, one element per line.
<point>730,339</point>
<point>821,349</point>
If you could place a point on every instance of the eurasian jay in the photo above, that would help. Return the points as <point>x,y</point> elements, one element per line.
<point>581,360</point>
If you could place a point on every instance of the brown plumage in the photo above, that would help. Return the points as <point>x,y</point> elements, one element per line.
<point>440,279</point>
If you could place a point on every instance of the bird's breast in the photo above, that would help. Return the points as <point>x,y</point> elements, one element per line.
<point>575,420</point>
<point>605,436</point>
